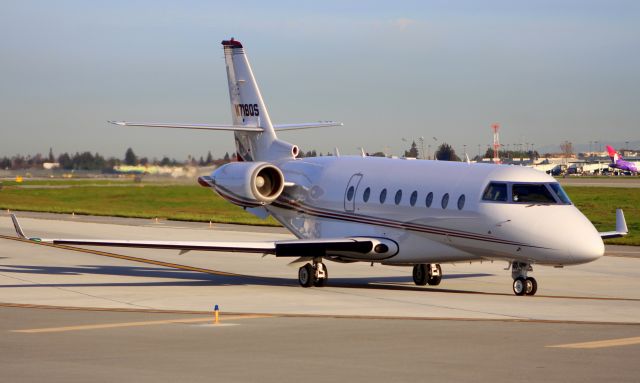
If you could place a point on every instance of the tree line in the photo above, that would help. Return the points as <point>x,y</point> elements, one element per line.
<point>95,161</point>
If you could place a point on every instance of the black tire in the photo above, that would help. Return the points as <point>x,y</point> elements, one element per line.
<point>420,274</point>
<point>306,275</point>
<point>435,281</point>
<point>534,286</point>
<point>322,281</point>
<point>519,286</point>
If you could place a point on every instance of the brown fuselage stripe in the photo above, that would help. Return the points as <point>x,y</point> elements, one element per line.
<point>322,213</point>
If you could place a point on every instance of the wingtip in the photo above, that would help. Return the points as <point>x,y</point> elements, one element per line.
<point>119,123</point>
<point>16,226</point>
<point>621,222</point>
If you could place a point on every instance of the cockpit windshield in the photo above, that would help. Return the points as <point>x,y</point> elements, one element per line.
<point>525,193</point>
<point>496,191</point>
<point>562,196</point>
<point>531,193</point>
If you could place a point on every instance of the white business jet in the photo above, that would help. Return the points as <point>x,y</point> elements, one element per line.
<point>381,210</point>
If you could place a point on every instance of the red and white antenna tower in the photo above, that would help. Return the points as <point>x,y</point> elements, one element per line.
<point>496,143</point>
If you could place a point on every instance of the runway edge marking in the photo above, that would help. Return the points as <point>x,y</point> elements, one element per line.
<point>600,343</point>
<point>134,324</point>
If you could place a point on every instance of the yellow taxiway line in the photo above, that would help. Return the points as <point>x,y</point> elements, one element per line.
<point>135,324</point>
<point>601,343</point>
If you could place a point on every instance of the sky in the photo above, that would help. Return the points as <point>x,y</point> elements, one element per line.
<point>546,71</point>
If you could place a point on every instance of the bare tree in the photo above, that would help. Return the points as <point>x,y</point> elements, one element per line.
<point>567,149</point>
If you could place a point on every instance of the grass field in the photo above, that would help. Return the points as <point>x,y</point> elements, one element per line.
<point>123,198</point>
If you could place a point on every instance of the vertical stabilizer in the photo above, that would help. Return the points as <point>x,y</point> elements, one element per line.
<point>613,154</point>
<point>248,109</point>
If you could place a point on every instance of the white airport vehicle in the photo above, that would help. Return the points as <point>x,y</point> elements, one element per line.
<point>382,210</point>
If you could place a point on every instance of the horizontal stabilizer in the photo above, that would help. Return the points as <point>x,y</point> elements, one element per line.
<point>621,227</point>
<point>240,128</point>
<point>235,128</point>
<point>309,125</point>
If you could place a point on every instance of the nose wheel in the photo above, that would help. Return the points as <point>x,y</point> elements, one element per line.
<point>522,284</point>
<point>315,274</point>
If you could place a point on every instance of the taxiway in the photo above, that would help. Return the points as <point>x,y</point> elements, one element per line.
<point>102,313</point>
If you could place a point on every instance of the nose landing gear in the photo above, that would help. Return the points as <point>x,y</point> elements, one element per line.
<point>315,274</point>
<point>523,285</point>
<point>427,274</point>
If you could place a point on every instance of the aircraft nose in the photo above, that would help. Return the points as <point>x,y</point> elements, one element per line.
<point>587,248</point>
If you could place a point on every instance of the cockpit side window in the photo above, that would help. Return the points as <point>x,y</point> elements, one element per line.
<point>531,193</point>
<point>495,191</point>
<point>562,196</point>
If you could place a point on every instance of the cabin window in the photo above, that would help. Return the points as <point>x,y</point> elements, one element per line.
<point>383,195</point>
<point>495,191</point>
<point>398,197</point>
<point>429,199</point>
<point>413,198</point>
<point>445,200</point>
<point>461,202</point>
<point>531,193</point>
<point>350,193</point>
<point>366,194</point>
<point>562,196</point>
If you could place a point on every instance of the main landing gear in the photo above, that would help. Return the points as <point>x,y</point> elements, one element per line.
<point>427,273</point>
<point>523,285</point>
<point>315,274</point>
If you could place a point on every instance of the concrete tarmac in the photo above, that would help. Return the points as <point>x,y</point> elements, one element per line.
<point>368,324</point>
<point>604,181</point>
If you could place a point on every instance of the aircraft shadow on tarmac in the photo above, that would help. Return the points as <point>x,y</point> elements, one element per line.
<point>192,278</point>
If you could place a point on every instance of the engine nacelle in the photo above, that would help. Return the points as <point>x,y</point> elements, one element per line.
<point>248,184</point>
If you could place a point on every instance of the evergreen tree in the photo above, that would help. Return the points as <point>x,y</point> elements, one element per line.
<point>412,152</point>
<point>209,158</point>
<point>130,157</point>
<point>446,153</point>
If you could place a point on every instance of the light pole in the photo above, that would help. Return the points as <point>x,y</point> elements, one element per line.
<point>422,147</point>
<point>533,152</point>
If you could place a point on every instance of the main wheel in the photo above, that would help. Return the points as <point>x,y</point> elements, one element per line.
<point>519,286</point>
<point>321,282</point>
<point>435,280</point>
<point>532,286</point>
<point>306,275</point>
<point>420,274</point>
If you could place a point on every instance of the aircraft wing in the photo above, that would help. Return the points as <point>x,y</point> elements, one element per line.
<point>621,227</point>
<point>353,247</point>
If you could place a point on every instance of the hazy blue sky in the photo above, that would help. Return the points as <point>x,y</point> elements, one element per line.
<point>547,71</point>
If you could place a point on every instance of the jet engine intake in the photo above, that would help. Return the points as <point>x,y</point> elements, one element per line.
<point>248,184</point>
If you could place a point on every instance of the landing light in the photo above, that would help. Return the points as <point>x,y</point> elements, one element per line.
<point>381,248</point>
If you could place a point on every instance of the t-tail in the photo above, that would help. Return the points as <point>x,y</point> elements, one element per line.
<point>248,109</point>
<point>255,134</point>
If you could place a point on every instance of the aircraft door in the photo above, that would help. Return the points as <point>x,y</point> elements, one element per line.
<point>350,192</point>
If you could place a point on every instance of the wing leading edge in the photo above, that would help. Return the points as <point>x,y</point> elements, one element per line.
<point>361,248</point>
